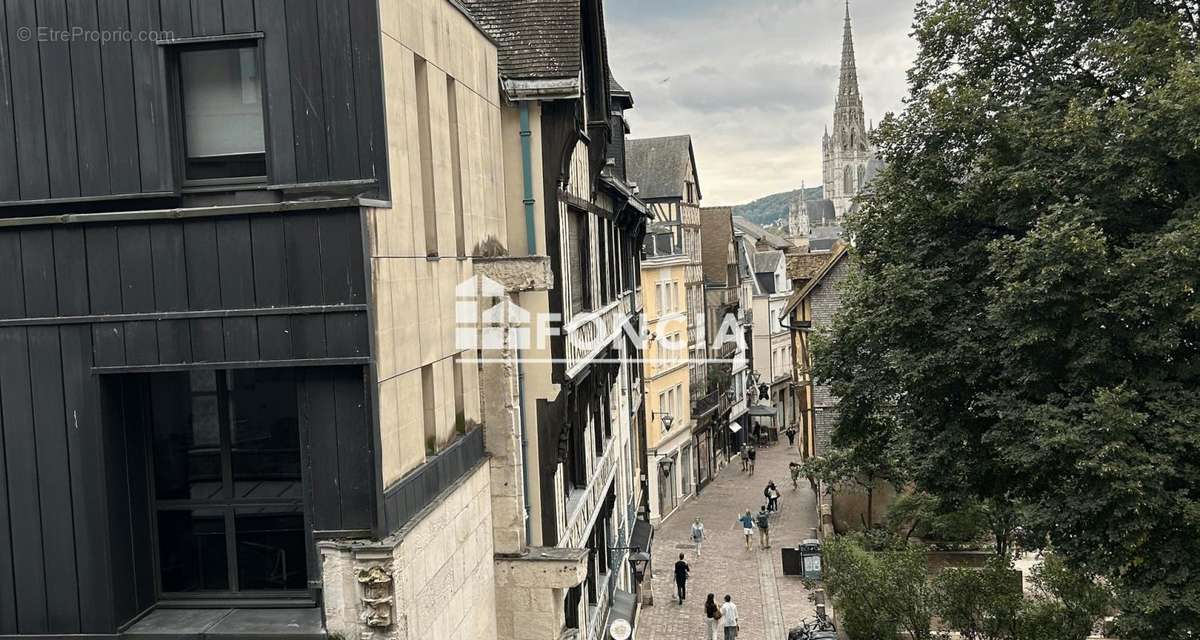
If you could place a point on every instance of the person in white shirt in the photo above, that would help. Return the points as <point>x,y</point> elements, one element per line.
<point>698,535</point>
<point>729,618</point>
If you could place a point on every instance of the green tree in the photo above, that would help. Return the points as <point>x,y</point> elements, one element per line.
<point>878,594</point>
<point>1022,318</point>
<point>1065,604</point>
<point>980,604</point>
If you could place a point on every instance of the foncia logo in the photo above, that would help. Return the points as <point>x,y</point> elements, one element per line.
<point>486,318</point>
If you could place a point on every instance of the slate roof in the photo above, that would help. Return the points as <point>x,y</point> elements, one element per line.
<point>767,261</point>
<point>659,166</point>
<point>757,233</point>
<point>819,212</point>
<point>538,39</point>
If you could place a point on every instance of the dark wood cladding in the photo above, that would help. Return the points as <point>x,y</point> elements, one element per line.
<point>105,103</point>
<point>78,302</point>
<point>406,499</point>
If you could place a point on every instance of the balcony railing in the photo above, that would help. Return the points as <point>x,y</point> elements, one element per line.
<point>706,404</point>
<point>588,333</point>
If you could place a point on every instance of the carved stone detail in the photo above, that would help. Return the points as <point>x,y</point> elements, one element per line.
<point>376,583</point>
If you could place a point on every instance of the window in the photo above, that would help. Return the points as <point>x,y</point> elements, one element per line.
<point>229,508</point>
<point>221,101</point>
<point>579,256</point>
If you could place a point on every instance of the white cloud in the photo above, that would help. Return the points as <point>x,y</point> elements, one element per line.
<point>753,81</point>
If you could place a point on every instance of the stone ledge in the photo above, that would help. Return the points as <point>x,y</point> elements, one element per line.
<point>543,568</point>
<point>517,273</point>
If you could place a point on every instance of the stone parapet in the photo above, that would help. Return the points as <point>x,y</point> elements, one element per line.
<point>432,579</point>
<point>530,590</point>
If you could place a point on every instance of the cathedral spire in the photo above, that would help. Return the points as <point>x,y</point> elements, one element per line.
<point>848,83</point>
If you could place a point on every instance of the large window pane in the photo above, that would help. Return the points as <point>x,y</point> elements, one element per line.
<point>270,550</point>
<point>192,553</point>
<point>187,437</point>
<point>264,434</point>
<point>222,112</point>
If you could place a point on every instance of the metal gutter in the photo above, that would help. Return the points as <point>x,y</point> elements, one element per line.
<point>180,212</point>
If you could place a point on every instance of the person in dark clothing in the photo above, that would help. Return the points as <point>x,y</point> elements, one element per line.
<point>752,454</point>
<point>681,576</point>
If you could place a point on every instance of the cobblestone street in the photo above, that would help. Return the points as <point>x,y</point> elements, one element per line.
<point>768,602</point>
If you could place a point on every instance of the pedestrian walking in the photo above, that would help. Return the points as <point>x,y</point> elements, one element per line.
<point>751,455</point>
<point>772,497</point>
<point>764,527</point>
<point>794,469</point>
<point>745,457</point>
<point>729,618</point>
<point>713,613</point>
<point>681,575</point>
<point>791,435</point>
<point>698,535</point>
<point>747,521</point>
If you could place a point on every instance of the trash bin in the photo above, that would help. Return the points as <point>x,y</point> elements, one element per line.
<point>810,559</point>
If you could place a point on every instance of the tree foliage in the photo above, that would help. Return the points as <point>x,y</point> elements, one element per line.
<point>1022,321</point>
<point>878,594</point>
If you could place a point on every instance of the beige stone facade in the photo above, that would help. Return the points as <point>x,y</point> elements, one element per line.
<point>438,574</point>
<point>434,577</point>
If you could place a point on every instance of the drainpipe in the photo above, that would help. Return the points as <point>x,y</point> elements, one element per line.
<point>524,448</point>
<point>527,174</point>
<point>531,249</point>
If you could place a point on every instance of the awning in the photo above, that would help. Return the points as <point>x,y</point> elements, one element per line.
<point>762,411</point>
<point>640,538</point>
<point>623,607</point>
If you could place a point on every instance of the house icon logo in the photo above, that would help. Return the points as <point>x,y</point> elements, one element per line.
<point>486,318</point>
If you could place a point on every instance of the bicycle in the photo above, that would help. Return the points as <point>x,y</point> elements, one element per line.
<point>820,628</point>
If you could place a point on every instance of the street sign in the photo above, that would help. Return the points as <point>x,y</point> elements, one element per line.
<point>620,629</point>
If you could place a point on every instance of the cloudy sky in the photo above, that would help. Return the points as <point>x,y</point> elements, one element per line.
<point>753,81</point>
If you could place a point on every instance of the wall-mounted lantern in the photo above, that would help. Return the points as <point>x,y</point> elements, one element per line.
<point>667,419</point>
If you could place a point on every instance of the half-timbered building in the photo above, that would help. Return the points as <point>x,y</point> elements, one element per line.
<point>567,532</point>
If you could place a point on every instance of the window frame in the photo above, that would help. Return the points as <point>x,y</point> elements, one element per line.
<point>178,133</point>
<point>298,598</point>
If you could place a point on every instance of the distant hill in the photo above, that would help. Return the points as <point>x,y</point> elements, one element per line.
<point>772,210</point>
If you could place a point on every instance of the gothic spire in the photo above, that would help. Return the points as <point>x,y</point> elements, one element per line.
<point>848,84</point>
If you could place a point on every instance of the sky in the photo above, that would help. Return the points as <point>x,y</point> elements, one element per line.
<point>753,81</point>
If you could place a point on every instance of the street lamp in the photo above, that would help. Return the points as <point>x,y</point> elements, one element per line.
<point>667,464</point>
<point>667,419</point>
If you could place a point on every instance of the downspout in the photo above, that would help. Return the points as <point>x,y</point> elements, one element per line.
<point>527,175</point>
<point>531,249</point>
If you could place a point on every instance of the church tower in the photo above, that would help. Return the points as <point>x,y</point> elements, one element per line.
<point>847,152</point>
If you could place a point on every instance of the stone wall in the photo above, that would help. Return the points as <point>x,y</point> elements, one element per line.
<point>825,301</point>
<point>433,579</point>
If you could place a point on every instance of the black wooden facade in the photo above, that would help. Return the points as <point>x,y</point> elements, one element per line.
<point>116,274</point>
<point>88,313</point>
<point>85,119</point>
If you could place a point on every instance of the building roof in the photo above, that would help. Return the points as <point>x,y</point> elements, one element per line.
<point>659,166</point>
<point>767,261</point>
<point>537,39</point>
<point>820,212</point>
<point>716,234</point>
<point>833,260</point>
<point>758,233</point>
<point>803,266</point>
